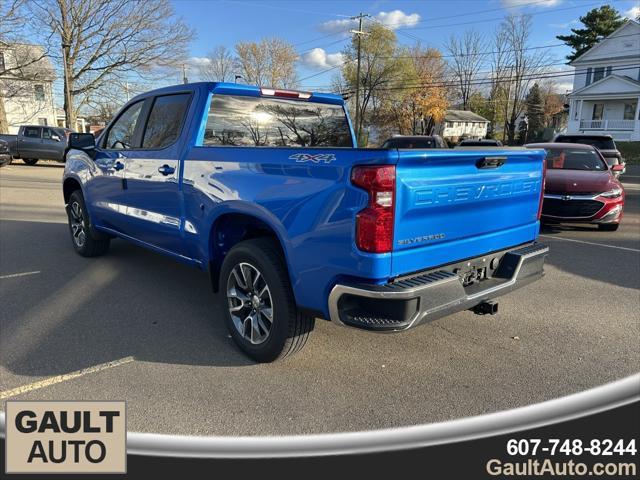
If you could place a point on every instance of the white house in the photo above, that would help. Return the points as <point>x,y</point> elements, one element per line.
<point>459,124</point>
<point>606,86</point>
<point>26,81</point>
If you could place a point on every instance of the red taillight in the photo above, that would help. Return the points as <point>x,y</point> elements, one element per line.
<point>374,224</point>
<point>544,176</point>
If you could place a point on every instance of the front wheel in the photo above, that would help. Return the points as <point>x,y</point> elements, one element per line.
<point>30,161</point>
<point>85,241</point>
<point>261,314</point>
<point>608,227</point>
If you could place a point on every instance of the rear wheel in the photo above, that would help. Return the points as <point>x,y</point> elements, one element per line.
<point>608,227</point>
<point>30,161</point>
<point>85,241</point>
<point>261,314</point>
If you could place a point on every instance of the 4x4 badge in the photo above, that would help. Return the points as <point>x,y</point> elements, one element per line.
<point>317,158</point>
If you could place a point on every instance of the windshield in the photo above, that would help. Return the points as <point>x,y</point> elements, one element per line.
<point>598,142</point>
<point>574,159</point>
<point>274,122</point>
<point>427,142</point>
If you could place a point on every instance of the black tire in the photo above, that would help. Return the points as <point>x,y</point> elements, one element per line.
<point>608,227</point>
<point>30,161</point>
<point>289,329</point>
<point>86,241</point>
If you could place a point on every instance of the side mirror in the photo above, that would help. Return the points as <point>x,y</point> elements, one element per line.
<point>55,137</point>
<point>82,141</point>
<point>617,168</point>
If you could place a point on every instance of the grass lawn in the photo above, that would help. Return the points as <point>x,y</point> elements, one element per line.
<point>630,152</point>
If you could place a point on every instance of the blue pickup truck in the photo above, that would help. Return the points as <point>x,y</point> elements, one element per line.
<point>266,190</point>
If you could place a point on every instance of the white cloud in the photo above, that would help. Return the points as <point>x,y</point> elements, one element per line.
<point>536,3</point>
<point>318,58</point>
<point>633,12</point>
<point>394,19</point>
<point>198,61</point>
<point>397,19</point>
<point>563,87</point>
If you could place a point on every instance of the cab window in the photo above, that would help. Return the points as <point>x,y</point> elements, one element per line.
<point>120,136</point>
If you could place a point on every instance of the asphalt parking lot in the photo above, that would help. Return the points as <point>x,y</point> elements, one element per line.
<point>136,326</point>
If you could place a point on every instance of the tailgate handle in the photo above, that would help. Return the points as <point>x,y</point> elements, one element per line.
<point>491,162</point>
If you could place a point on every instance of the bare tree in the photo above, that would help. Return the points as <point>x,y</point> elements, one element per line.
<point>271,62</point>
<point>465,63</point>
<point>521,67</point>
<point>104,40</point>
<point>219,66</point>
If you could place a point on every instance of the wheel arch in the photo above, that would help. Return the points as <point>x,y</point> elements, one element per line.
<point>70,185</point>
<point>234,226</point>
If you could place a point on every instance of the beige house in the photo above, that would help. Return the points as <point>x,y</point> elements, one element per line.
<point>26,86</point>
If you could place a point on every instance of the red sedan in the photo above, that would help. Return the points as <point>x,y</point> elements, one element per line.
<point>580,186</point>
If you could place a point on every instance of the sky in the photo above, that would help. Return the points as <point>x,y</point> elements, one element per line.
<point>317,28</point>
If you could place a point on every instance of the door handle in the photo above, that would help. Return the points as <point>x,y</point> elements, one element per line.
<point>166,170</point>
<point>118,165</point>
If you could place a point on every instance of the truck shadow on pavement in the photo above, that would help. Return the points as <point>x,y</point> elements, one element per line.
<point>81,312</point>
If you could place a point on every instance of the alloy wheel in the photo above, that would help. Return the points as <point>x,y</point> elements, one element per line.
<point>77,224</point>
<point>249,302</point>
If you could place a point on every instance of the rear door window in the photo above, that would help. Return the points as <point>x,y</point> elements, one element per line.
<point>165,120</point>
<point>274,122</point>
<point>32,132</point>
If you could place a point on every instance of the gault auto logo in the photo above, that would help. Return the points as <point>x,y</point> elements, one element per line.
<point>566,197</point>
<point>314,158</point>
<point>66,437</point>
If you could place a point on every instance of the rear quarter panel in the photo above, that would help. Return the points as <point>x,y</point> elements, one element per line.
<point>311,207</point>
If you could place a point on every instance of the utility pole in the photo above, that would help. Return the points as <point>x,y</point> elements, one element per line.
<point>359,33</point>
<point>184,74</point>
<point>67,92</point>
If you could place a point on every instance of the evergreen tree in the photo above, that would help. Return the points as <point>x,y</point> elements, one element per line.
<point>598,23</point>
<point>535,113</point>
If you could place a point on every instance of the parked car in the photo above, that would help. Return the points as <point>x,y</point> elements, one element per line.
<point>266,190</point>
<point>485,142</point>
<point>36,142</point>
<point>580,186</point>
<point>604,143</point>
<point>5,156</point>
<point>415,141</point>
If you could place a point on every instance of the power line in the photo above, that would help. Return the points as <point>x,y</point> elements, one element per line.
<point>510,79</point>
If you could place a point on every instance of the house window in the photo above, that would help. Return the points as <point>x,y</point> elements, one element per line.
<point>629,110</point>
<point>2,67</point>
<point>39,92</point>
<point>598,109</point>
<point>449,124</point>
<point>598,74</point>
<point>42,121</point>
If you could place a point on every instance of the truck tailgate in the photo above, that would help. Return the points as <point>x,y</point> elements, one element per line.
<point>454,204</point>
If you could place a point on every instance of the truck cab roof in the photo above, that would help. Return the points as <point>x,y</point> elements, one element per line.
<point>247,90</point>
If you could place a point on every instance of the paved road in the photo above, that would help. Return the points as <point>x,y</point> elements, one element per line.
<point>180,373</point>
